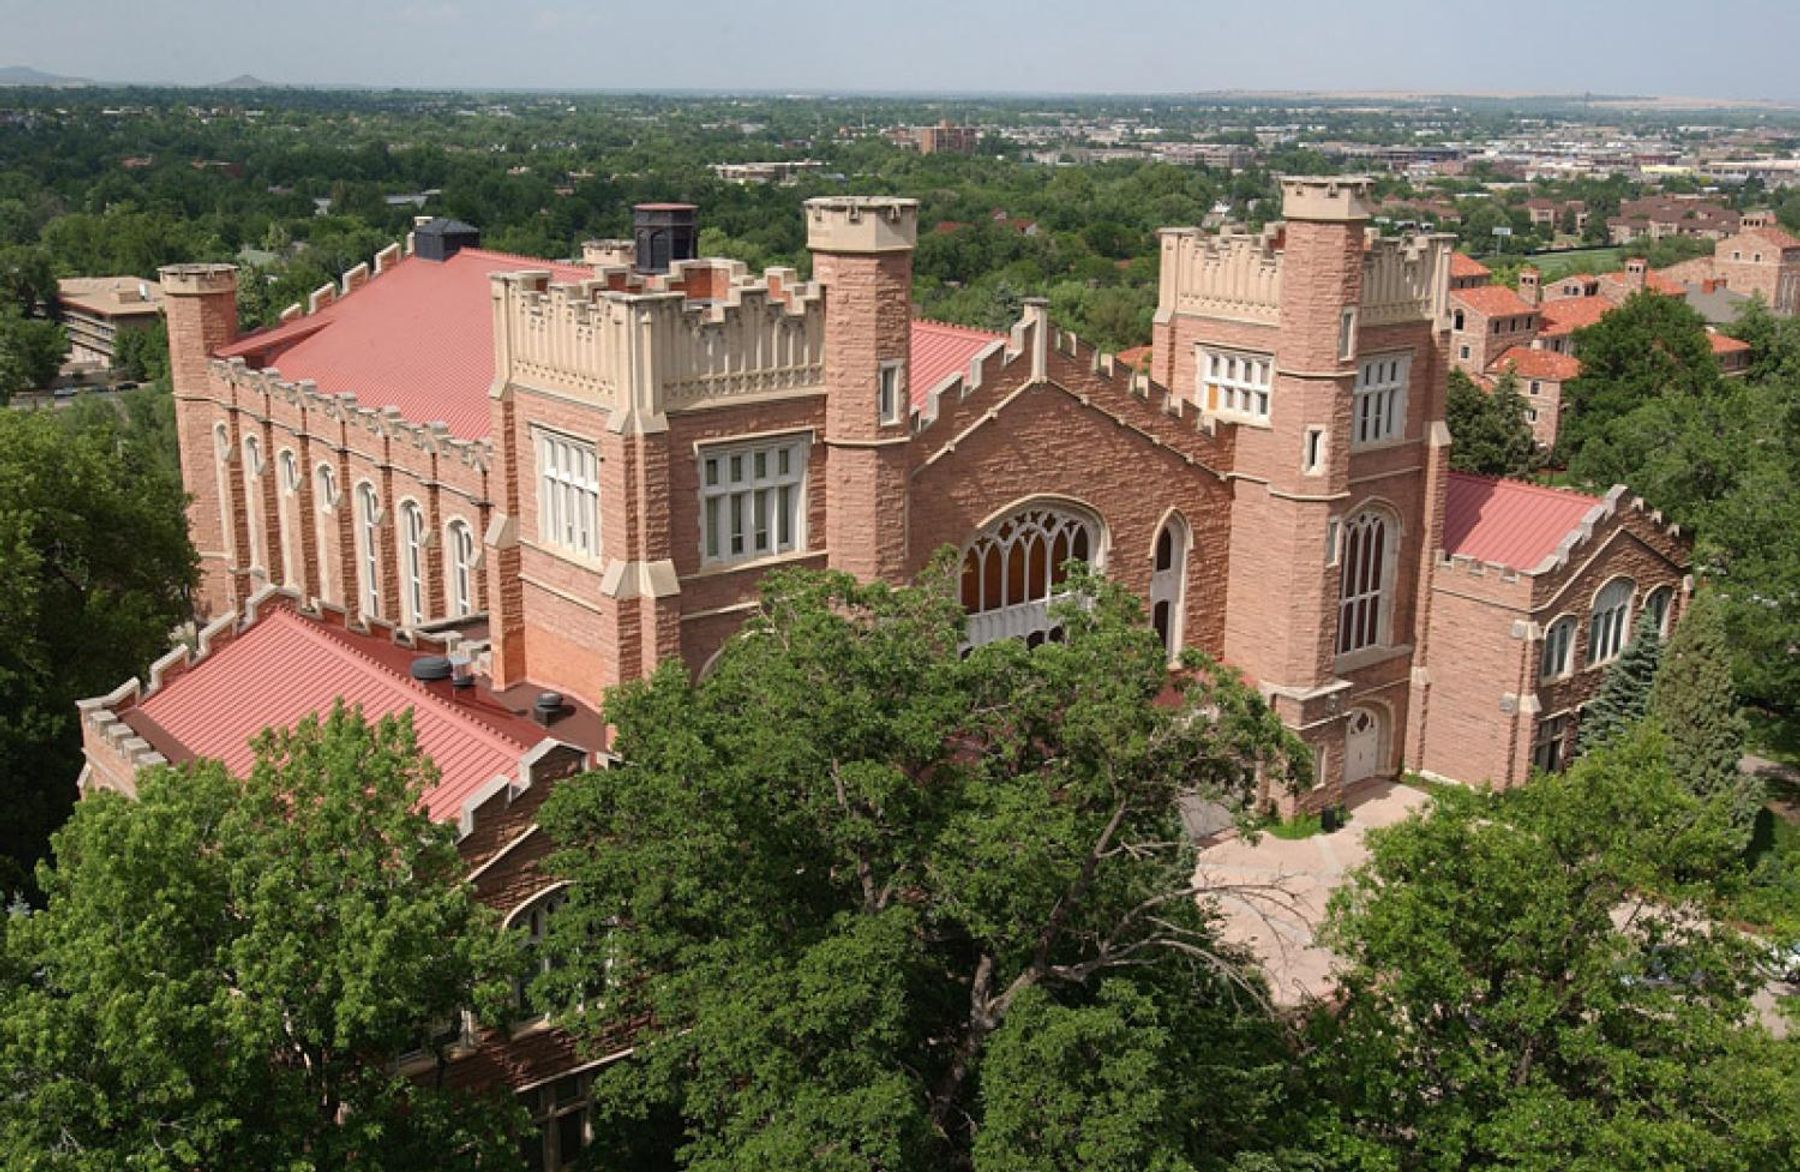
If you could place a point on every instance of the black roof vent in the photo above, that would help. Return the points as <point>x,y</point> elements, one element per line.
<point>430,668</point>
<point>547,708</point>
<point>441,238</point>
<point>664,233</point>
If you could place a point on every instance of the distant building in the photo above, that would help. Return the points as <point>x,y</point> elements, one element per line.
<point>1656,217</point>
<point>772,172</point>
<point>96,310</point>
<point>942,138</point>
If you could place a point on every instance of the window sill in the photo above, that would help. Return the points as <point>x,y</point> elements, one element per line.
<point>1370,656</point>
<point>1260,423</point>
<point>718,569</point>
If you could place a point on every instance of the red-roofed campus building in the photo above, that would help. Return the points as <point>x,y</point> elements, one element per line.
<point>602,482</point>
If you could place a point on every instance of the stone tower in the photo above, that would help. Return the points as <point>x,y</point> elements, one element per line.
<point>862,256</point>
<point>200,304</point>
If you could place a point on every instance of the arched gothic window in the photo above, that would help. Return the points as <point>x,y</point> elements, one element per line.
<point>1657,603</point>
<point>368,540</point>
<point>1168,583</point>
<point>412,560</point>
<point>459,568</point>
<point>1015,568</point>
<point>1363,595</point>
<point>1610,625</point>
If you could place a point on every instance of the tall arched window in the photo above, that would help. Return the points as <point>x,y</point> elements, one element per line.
<point>1168,582</point>
<point>1363,590</point>
<point>1557,641</point>
<point>253,502</point>
<point>459,568</point>
<point>222,448</point>
<point>368,541</point>
<point>532,921</point>
<point>1014,569</point>
<point>1610,623</point>
<point>287,508</point>
<point>412,561</point>
<point>326,490</point>
<point>1657,603</point>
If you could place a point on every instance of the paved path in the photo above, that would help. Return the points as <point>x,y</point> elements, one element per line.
<point>1273,894</point>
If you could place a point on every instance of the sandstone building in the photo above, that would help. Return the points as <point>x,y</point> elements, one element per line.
<point>558,476</point>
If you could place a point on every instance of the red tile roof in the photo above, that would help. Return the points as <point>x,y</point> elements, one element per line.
<point>1509,522</point>
<point>1493,300</point>
<point>1467,266</point>
<point>1539,364</point>
<point>420,337</point>
<point>940,350</point>
<point>1136,358</point>
<point>285,667</point>
<point>1725,344</point>
<point>1568,314</point>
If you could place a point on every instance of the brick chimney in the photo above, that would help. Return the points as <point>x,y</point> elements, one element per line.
<point>1531,285</point>
<point>862,250</point>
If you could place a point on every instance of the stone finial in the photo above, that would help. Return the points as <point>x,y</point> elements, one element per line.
<point>1331,198</point>
<point>197,279</point>
<point>862,224</point>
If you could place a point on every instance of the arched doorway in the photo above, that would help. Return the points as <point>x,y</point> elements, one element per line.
<point>1362,744</point>
<point>1168,583</point>
<point>1015,569</point>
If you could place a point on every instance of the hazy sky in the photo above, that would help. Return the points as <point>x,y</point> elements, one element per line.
<point>1710,48</point>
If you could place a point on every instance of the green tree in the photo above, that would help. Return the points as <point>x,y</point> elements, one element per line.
<point>883,903</point>
<point>1514,999</point>
<point>1488,428</point>
<point>95,570</point>
<point>1648,347</point>
<point>142,355</point>
<point>226,968</point>
<point>27,278</point>
<point>1624,697</point>
<point>31,351</point>
<point>1695,704</point>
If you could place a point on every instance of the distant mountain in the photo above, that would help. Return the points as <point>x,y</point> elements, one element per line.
<point>243,81</point>
<point>26,75</point>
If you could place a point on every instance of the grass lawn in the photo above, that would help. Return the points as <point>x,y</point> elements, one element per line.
<point>1299,826</point>
<point>1597,261</point>
<point>1774,736</point>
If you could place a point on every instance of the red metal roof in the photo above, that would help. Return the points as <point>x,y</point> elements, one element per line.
<point>940,350</point>
<point>285,667</point>
<point>1538,364</point>
<point>420,337</point>
<point>1509,522</point>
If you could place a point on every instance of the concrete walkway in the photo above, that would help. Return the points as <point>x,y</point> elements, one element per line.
<point>1272,895</point>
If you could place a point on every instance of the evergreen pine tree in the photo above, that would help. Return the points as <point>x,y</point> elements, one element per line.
<point>1694,701</point>
<point>1624,697</point>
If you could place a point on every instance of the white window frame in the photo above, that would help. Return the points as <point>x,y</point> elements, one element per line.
<point>568,500</point>
<point>1313,448</point>
<point>1013,571</point>
<point>1558,650</point>
<point>1609,625</point>
<point>752,498</point>
<point>412,560</point>
<point>368,546</point>
<point>461,553</point>
<point>1660,601</point>
<point>253,514</point>
<point>326,490</point>
<point>1234,384</point>
<point>287,516</point>
<point>1378,405</point>
<point>548,1107</point>
<point>1548,742</point>
<point>890,384</point>
<point>1365,586</point>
